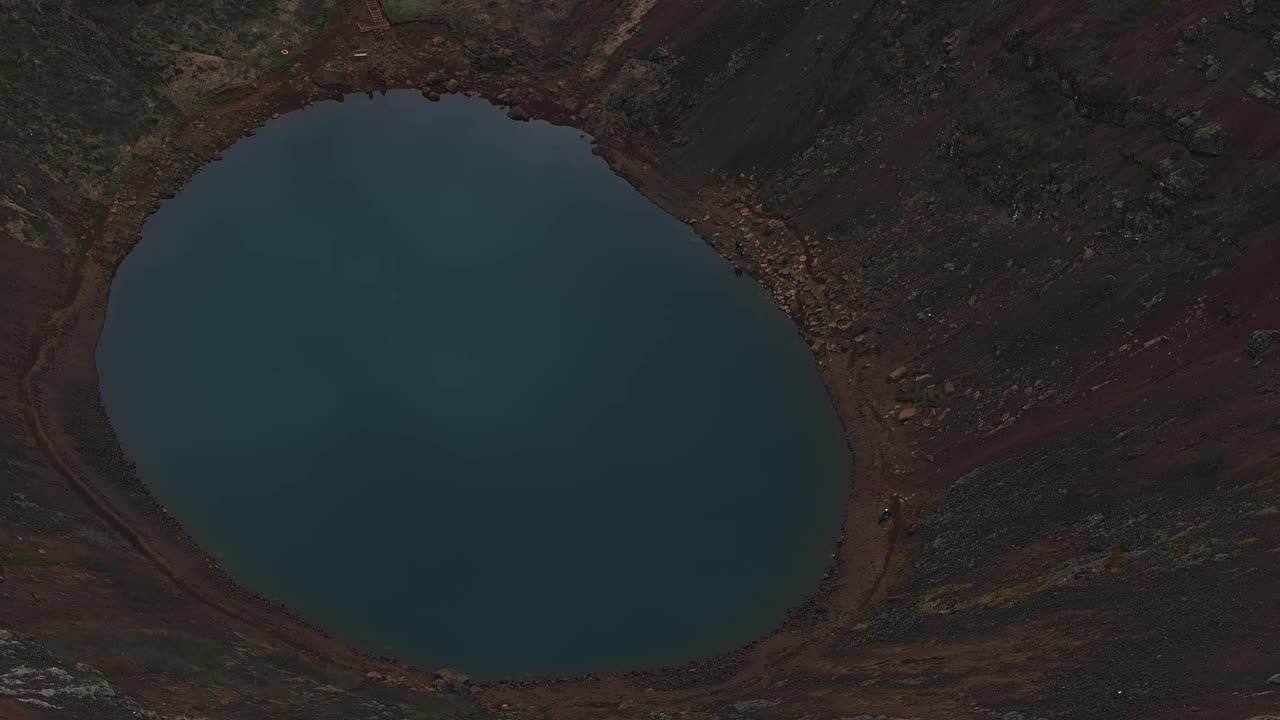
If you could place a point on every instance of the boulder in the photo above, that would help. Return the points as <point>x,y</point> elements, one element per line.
<point>909,393</point>
<point>518,113</point>
<point>1264,93</point>
<point>1200,138</point>
<point>934,396</point>
<point>660,53</point>
<point>898,374</point>
<point>450,680</point>
<point>1260,341</point>
<point>906,414</point>
<point>1212,68</point>
<point>330,79</point>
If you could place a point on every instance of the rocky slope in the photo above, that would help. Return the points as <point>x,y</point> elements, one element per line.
<point>85,84</point>
<point>1028,243</point>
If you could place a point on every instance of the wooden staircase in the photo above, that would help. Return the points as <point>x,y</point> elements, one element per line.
<point>377,20</point>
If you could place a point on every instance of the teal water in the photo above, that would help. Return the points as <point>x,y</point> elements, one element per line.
<point>444,385</point>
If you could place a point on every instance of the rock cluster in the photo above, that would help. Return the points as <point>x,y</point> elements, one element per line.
<point>1260,341</point>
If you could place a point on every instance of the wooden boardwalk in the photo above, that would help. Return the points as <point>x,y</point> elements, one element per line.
<point>377,20</point>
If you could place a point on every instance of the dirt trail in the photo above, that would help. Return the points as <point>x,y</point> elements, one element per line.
<point>89,288</point>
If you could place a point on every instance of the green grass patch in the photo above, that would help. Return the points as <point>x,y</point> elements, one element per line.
<point>325,14</point>
<point>127,653</point>
<point>125,170</point>
<point>414,10</point>
<point>277,61</point>
<point>140,590</point>
<point>25,560</point>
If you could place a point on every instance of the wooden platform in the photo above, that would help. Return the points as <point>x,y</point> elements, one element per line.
<point>377,20</point>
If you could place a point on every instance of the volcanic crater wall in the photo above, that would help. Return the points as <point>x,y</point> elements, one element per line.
<point>1027,242</point>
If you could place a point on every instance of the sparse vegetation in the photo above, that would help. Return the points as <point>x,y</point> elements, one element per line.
<point>140,590</point>
<point>414,10</point>
<point>26,560</point>
<point>295,664</point>
<point>1211,459</point>
<point>325,14</point>
<point>279,60</point>
<point>118,71</point>
<point>174,654</point>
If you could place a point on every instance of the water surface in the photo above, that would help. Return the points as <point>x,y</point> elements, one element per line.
<point>444,385</point>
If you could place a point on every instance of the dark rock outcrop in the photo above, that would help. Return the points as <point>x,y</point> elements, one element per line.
<point>330,79</point>
<point>1260,341</point>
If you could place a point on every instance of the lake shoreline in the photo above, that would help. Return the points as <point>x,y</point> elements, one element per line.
<point>62,357</point>
<point>263,351</point>
<point>1042,243</point>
